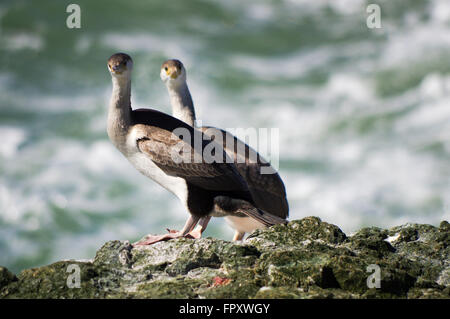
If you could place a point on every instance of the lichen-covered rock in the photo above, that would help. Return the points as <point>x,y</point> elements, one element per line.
<point>6,277</point>
<point>306,258</point>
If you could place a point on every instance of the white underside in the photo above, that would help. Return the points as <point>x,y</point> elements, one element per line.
<point>175,185</point>
<point>243,224</point>
<point>147,167</point>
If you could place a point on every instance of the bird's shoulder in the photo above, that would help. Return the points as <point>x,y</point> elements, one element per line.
<point>158,120</point>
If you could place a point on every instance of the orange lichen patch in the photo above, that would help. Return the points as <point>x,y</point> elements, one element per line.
<point>219,281</point>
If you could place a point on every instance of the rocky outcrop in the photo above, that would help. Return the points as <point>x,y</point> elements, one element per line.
<point>307,258</point>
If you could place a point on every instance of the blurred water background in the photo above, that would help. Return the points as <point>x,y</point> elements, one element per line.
<point>364,114</point>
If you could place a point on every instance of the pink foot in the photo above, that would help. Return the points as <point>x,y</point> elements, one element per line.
<point>189,235</point>
<point>152,239</point>
<point>195,234</point>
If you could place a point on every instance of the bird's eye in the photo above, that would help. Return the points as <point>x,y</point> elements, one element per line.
<point>166,68</point>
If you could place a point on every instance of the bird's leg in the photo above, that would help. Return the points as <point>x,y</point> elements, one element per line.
<point>238,235</point>
<point>198,231</point>
<point>188,227</point>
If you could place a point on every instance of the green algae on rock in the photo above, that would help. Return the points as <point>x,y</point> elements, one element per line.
<point>6,277</point>
<point>306,258</point>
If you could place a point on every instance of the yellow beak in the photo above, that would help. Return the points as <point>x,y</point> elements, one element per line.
<point>172,73</point>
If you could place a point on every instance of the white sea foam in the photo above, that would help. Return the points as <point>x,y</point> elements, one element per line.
<point>344,7</point>
<point>57,103</point>
<point>293,65</point>
<point>260,11</point>
<point>419,42</point>
<point>83,44</point>
<point>435,86</point>
<point>440,11</point>
<point>12,137</point>
<point>23,41</point>
<point>151,43</point>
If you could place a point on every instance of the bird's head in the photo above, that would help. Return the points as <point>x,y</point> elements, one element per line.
<point>120,65</point>
<point>173,73</point>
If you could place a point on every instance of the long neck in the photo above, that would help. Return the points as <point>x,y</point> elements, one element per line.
<point>119,113</point>
<point>182,105</point>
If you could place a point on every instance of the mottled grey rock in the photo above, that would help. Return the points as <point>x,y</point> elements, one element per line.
<point>306,258</point>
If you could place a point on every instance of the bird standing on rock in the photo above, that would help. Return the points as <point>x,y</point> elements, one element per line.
<point>267,190</point>
<point>149,140</point>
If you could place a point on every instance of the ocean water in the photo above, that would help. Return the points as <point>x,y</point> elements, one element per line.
<point>363,114</point>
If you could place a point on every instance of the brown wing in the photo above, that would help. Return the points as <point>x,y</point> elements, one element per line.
<point>268,191</point>
<point>180,156</point>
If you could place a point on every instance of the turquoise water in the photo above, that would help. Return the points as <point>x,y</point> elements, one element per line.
<point>363,114</point>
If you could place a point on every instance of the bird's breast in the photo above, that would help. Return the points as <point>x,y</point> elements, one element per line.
<point>147,167</point>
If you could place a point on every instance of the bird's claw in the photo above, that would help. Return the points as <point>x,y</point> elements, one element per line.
<point>192,235</point>
<point>172,234</point>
